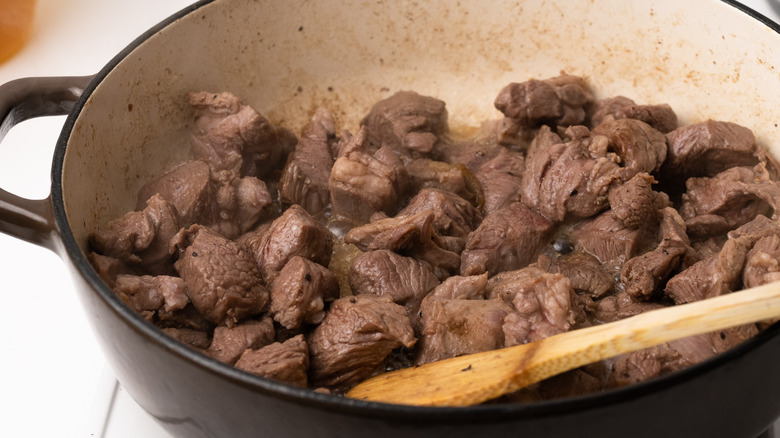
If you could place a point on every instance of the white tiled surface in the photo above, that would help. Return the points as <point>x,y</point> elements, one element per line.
<point>53,379</point>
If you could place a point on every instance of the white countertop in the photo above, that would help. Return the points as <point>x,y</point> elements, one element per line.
<point>53,378</point>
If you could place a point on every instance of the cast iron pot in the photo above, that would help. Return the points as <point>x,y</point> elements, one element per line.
<point>706,58</point>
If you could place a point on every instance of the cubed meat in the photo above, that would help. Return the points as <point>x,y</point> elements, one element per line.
<point>355,339</point>
<point>501,179</point>
<point>453,216</point>
<point>708,148</point>
<point>299,293</point>
<point>635,203</point>
<point>149,295</point>
<point>609,240</point>
<point>286,362</point>
<point>223,282</point>
<point>641,147</point>
<point>229,343</point>
<point>660,117</point>
<point>586,273</point>
<point>108,267</point>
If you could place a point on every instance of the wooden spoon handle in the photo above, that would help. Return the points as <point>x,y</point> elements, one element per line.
<point>475,378</point>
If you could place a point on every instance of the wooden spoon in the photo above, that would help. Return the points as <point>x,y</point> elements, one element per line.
<point>475,378</point>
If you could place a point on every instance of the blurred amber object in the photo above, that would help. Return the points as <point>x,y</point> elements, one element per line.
<point>16,22</point>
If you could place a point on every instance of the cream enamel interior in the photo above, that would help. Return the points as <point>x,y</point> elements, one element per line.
<point>703,57</point>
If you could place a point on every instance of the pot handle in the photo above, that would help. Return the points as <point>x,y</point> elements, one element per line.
<point>32,220</point>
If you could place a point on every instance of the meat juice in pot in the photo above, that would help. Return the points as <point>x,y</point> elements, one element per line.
<point>324,257</point>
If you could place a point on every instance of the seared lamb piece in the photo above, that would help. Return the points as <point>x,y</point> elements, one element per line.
<point>299,293</point>
<point>560,101</point>
<point>472,153</point>
<point>355,339</point>
<point>708,148</point>
<point>454,217</point>
<point>407,122</point>
<point>454,327</point>
<point>507,239</point>
<point>149,295</point>
<point>641,147</point>
<point>763,262</point>
<point>455,178</point>
<point>714,205</point>
<point>642,275</point>
<point>221,201</point>
<point>472,287</point>
<point>585,272</point>
<point>608,239</point>
<point>294,233</point>
<point>286,362</point>
<point>635,203</point>
<point>232,136</point>
<point>571,180</point>
<point>501,179</point>
<point>362,184</point>
<point>542,303</point>
<point>140,238</point>
<point>413,235</point>
<point>108,267</point>
<point>193,338</point>
<point>305,176</point>
<point>223,282</point>
<point>620,306</point>
<point>229,343</point>
<point>406,280</point>
<point>660,117</point>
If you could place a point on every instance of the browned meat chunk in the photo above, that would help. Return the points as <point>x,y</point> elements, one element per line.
<point>426,174</point>
<point>635,203</point>
<point>571,180</point>
<point>193,338</point>
<point>362,184</point>
<point>299,293</point>
<point>607,239</point>
<point>229,343</point>
<point>294,233</point>
<point>660,117</point>
<point>152,296</point>
<point>763,262</point>
<point>471,154</point>
<point>286,362</point>
<point>728,200</point>
<point>620,306</point>
<point>585,272</point>
<point>354,340</point>
<point>641,147</point>
<point>305,176</point>
<point>413,236</point>
<point>542,303</point>
<point>453,216</point>
<point>407,121</point>
<point>472,287</point>
<point>232,136</point>
<point>140,238</point>
<point>501,179</point>
<point>507,239</point>
<point>222,280</point>
<point>560,101</point>
<point>108,267</point>
<point>708,148</point>
<point>406,280</point>
<point>454,327</point>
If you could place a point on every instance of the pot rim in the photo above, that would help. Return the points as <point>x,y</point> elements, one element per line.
<point>345,405</point>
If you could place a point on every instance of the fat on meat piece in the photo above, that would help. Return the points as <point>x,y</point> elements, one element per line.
<point>407,122</point>
<point>635,203</point>
<point>454,327</point>
<point>708,148</point>
<point>229,343</point>
<point>507,239</point>
<point>414,235</point>
<point>286,361</point>
<point>362,183</point>
<point>641,147</point>
<point>382,272</point>
<point>734,197</point>
<point>294,233</point>
<point>571,180</point>
<point>222,280</point>
<point>762,264</point>
<point>542,303</point>
<point>559,101</point>
<point>305,176</point>
<point>355,339</point>
<point>231,136</point>
<point>140,238</point>
<point>453,216</point>
<point>221,201</point>
<point>586,273</point>
<point>152,295</point>
<point>300,292</point>
<point>660,117</point>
